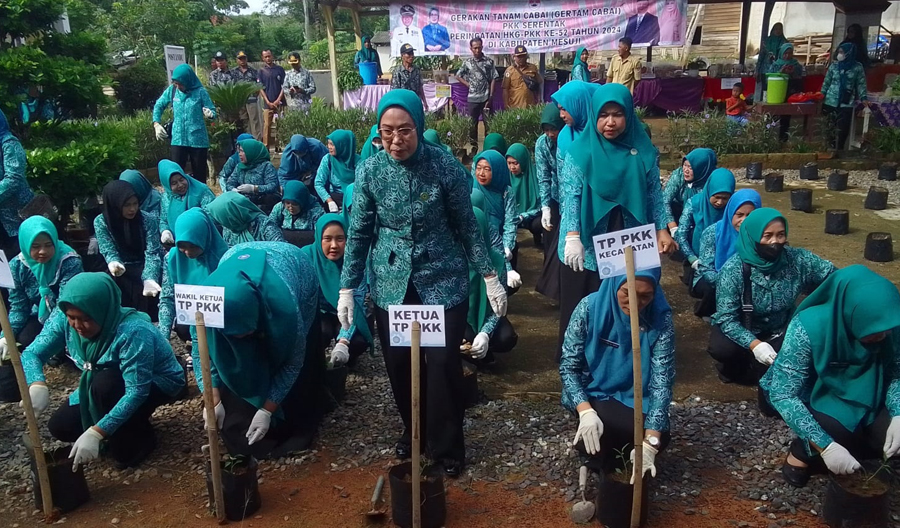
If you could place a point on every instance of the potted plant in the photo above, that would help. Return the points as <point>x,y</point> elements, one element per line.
<point>615,494</point>
<point>240,486</point>
<point>433,496</point>
<point>69,488</point>
<point>861,498</point>
<point>230,99</point>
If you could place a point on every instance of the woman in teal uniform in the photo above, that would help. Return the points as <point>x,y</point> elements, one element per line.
<point>687,181</point>
<point>523,178</point>
<point>492,181</point>
<point>242,221</point>
<point>14,191</point>
<point>148,197</point>
<point>337,170</point>
<point>182,193</point>
<point>548,186</point>
<point>255,176</point>
<point>297,214</point>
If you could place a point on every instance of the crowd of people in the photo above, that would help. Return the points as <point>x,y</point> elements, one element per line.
<point>310,269</point>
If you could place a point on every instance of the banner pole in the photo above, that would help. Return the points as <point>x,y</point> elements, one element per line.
<point>416,440</point>
<point>638,466</point>
<point>212,431</point>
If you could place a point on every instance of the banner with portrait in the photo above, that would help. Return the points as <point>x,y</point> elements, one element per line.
<point>441,27</point>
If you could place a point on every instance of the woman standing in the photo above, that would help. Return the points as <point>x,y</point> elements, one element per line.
<point>337,170</point>
<point>148,197</point>
<point>855,36</point>
<point>242,221</point>
<point>574,102</point>
<point>492,180</point>
<point>844,86</point>
<point>129,242</point>
<point>327,257</point>
<point>548,186</point>
<point>703,210</point>
<point>609,181</point>
<point>182,193</point>
<point>786,64</point>
<point>686,181</point>
<point>127,371</point>
<point>580,71</point>
<point>190,104</point>
<point>255,176</point>
<point>267,369</point>
<point>836,381</point>
<point>769,49</point>
<point>14,191</point>
<point>424,235</point>
<point>597,377</point>
<point>525,191</point>
<point>757,291</point>
<point>40,273</point>
<point>367,54</point>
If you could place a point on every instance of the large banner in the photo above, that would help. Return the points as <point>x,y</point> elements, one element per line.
<point>442,27</point>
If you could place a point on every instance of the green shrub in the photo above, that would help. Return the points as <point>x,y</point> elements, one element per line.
<point>453,131</point>
<point>231,98</point>
<point>323,120</point>
<point>139,86</point>
<point>349,80</point>
<point>713,130</point>
<point>139,127</point>
<point>519,125</point>
<point>885,139</point>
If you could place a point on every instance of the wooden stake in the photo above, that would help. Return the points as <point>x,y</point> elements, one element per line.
<point>416,440</point>
<point>212,428</point>
<point>33,432</point>
<point>638,466</point>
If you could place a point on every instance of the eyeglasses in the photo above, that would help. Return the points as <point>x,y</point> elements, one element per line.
<point>387,134</point>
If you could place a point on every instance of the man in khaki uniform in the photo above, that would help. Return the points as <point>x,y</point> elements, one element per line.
<point>625,67</point>
<point>521,82</point>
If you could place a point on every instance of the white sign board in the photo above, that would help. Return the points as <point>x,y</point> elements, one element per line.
<point>401,318</point>
<point>6,278</point>
<point>729,82</point>
<point>174,57</point>
<point>610,250</point>
<point>210,300</point>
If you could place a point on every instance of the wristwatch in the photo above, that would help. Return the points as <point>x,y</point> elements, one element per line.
<point>652,441</point>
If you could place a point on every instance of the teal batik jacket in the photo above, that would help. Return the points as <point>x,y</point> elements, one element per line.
<point>774,296</point>
<point>152,247</point>
<point>854,80</point>
<point>25,298</point>
<point>263,175</point>
<point>262,229</point>
<point>707,257</point>
<point>677,192</point>
<point>545,163</point>
<point>208,196</point>
<point>685,233</point>
<point>188,124</point>
<point>306,221</point>
<point>417,219</point>
<point>14,191</point>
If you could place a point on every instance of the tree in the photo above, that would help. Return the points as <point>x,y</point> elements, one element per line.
<point>145,26</point>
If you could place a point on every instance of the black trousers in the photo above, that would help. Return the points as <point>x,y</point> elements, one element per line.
<point>866,443</point>
<point>536,228</point>
<point>441,384</point>
<point>573,287</point>
<point>736,363</point>
<point>618,436</point>
<point>30,331</point>
<point>706,293</point>
<point>301,409</point>
<point>548,282</point>
<point>503,339</point>
<point>134,439</point>
<point>331,327</point>
<point>132,286</point>
<point>476,110</point>
<point>197,157</point>
<point>266,202</point>
<point>299,238</point>
<point>842,117</point>
<point>784,132</point>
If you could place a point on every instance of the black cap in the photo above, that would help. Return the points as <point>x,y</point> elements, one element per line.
<point>220,56</point>
<point>407,10</point>
<point>406,48</point>
<point>520,50</point>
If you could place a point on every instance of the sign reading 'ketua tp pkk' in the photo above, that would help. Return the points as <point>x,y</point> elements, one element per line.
<point>208,300</point>
<point>431,319</point>
<point>610,250</point>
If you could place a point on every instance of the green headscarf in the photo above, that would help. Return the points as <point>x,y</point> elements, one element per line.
<point>254,151</point>
<point>583,64</point>
<point>774,42</point>
<point>479,307</point>
<point>615,172</point>
<point>295,191</point>
<point>235,212</point>
<point>495,141</point>
<point>705,215</point>
<point>147,195</point>
<point>368,149</point>
<point>703,162</point>
<point>751,233</point>
<point>524,185</point>
<point>365,54</point>
<point>255,304</point>
<point>97,295</point>
<point>781,62</point>
<point>185,75</point>
<point>550,117</point>
<point>850,378</point>
<point>343,163</point>
<point>410,103</point>
<point>432,136</point>
<point>329,272</point>
<point>178,204</point>
<point>197,228</point>
<point>48,273</point>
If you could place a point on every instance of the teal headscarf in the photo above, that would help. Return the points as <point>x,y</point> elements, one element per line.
<point>607,349</point>
<point>774,42</point>
<point>255,304</point>
<point>235,212</point>
<point>575,98</point>
<point>295,191</point>
<point>495,141</point>
<point>705,215</point>
<point>197,228</point>
<point>236,157</point>
<point>781,62</point>
<point>178,204</point>
<point>97,295</point>
<point>550,117</point>
<point>432,136</point>
<point>493,192</point>
<point>615,171</point>
<point>146,194</point>
<point>329,272</point>
<point>580,62</point>
<point>703,162</point>
<point>185,75</point>
<point>408,101</point>
<point>479,307</point>
<point>851,378</point>
<point>726,234</point>
<point>751,233</point>
<point>524,185</point>
<point>343,163</point>
<point>368,149</point>
<point>255,152</point>
<point>48,273</point>
<point>348,203</point>
<point>365,54</point>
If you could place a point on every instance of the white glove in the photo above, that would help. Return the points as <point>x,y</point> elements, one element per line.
<point>40,398</point>
<point>892,440</point>
<point>574,252</point>
<point>116,269</point>
<point>4,349</point>
<point>209,113</point>
<point>480,345</point>
<point>151,288</point>
<point>219,411</point>
<point>648,462</point>
<point>340,354</point>
<point>246,188</point>
<point>764,353</point>
<point>695,265</point>
<point>259,426</point>
<point>345,308</point>
<point>496,295</point>
<point>590,429</point>
<point>333,207</point>
<point>839,460</point>
<point>508,253</point>
<point>513,279</point>
<point>167,237</point>
<point>160,130</point>
<point>86,448</point>
<point>673,230</point>
<point>545,219</point>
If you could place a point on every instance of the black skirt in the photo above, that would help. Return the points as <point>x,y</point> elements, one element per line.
<point>131,285</point>
<point>548,282</point>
